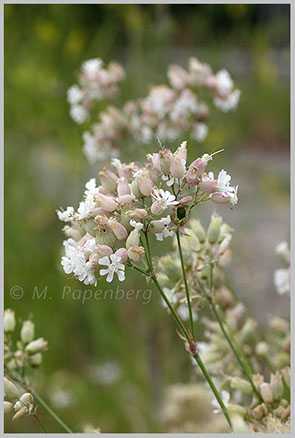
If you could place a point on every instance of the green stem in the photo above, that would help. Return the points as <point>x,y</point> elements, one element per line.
<point>186,285</point>
<point>40,422</point>
<point>50,412</point>
<point>219,320</point>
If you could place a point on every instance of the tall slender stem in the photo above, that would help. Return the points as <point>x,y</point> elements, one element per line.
<point>40,422</point>
<point>50,412</point>
<point>186,334</point>
<point>186,285</point>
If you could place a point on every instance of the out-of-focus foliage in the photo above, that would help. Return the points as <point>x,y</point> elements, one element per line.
<point>45,168</point>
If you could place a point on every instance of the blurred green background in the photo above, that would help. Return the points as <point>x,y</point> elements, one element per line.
<point>109,361</point>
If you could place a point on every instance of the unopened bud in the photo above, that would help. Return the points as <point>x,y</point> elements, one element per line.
<point>199,230</point>
<point>136,253</point>
<point>156,227</point>
<point>27,399</point>
<point>108,180</point>
<point>8,407</point>
<point>238,424</point>
<point>261,349</point>
<point>133,239</point>
<point>260,411</point>
<point>241,384</point>
<point>36,346</point>
<point>10,389</point>
<point>177,168</point>
<point>123,187</point>
<point>277,386</point>
<point>9,320</point>
<point>35,360</point>
<point>27,332</point>
<point>23,411</point>
<point>214,229</point>
<point>266,392</point>
<point>118,229</point>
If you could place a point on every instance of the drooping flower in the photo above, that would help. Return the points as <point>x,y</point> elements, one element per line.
<point>114,266</point>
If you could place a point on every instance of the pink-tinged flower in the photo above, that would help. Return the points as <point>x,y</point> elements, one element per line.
<point>177,167</point>
<point>142,184</point>
<point>208,183</point>
<point>153,172</point>
<point>118,229</point>
<point>161,160</point>
<point>136,253</point>
<point>163,199</point>
<point>178,77</point>
<point>181,152</point>
<point>108,180</point>
<point>108,203</point>
<point>125,170</point>
<point>226,197</point>
<point>123,254</point>
<point>114,266</point>
<point>123,187</point>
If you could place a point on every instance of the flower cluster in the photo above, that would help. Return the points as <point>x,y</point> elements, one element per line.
<point>168,111</point>
<point>19,357</point>
<point>281,276</point>
<point>95,84</point>
<point>107,230</point>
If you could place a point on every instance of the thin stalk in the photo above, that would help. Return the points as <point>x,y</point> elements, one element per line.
<point>186,334</point>
<point>40,422</point>
<point>186,285</point>
<point>50,412</point>
<point>219,320</point>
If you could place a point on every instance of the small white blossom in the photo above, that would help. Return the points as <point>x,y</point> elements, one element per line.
<point>91,66</point>
<point>78,113</point>
<point>137,225</point>
<point>114,266</point>
<point>200,132</point>
<point>165,197</point>
<point>66,215</point>
<point>74,95</point>
<point>230,103</point>
<point>282,281</point>
<point>166,232</point>
<point>282,248</point>
<point>224,82</point>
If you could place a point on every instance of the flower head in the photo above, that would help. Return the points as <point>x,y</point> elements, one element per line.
<point>114,266</point>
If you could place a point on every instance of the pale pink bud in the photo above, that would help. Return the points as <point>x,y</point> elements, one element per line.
<point>109,204</point>
<point>156,227</point>
<point>200,164</point>
<point>136,253</point>
<point>155,159</point>
<point>23,411</point>
<point>108,180</point>
<point>153,172</point>
<point>104,250</point>
<point>185,200</point>
<point>98,211</point>
<point>133,239</point>
<point>207,184</point>
<point>165,157</point>
<point>266,392</point>
<point>157,208</point>
<point>138,213</point>
<point>181,152</point>
<point>101,189</point>
<point>118,229</point>
<point>177,168</point>
<point>123,187</point>
<point>145,185</point>
<point>220,198</point>
<point>125,199</point>
<point>123,254</point>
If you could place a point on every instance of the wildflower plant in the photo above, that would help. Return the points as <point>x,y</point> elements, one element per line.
<point>169,111</point>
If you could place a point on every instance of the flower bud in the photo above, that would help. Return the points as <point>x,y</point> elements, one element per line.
<point>27,398</point>
<point>27,332</point>
<point>123,187</point>
<point>23,411</point>
<point>177,168</point>
<point>10,389</point>
<point>125,199</point>
<point>145,185</point>
<point>107,202</point>
<point>200,164</point>
<point>8,407</point>
<point>214,229</point>
<point>118,229</point>
<point>133,239</point>
<point>180,214</point>
<point>238,424</point>
<point>261,349</point>
<point>286,375</point>
<point>156,227</point>
<point>277,386</point>
<point>165,156</point>
<point>136,253</point>
<point>192,177</point>
<point>108,180</point>
<point>9,320</point>
<point>280,324</point>
<point>36,346</point>
<point>207,184</point>
<point>266,392</point>
<point>241,384</point>
<point>260,411</point>
<point>123,254</point>
<point>35,360</point>
<point>199,230</point>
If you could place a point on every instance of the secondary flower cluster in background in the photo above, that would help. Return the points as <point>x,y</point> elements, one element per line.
<point>169,111</point>
<point>105,233</point>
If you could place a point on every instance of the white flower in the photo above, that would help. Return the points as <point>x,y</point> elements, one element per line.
<point>171,296</point>
<point>165,197</point>
<point>91,66</point>
<point>282,281</point>
<point>229,103</point>
<point>89,245</point>
<point>86,273</point>
<point>184,314</point>
<point>224,82</point>
<point>137,225</point>
<point>114,265</point>
<point>73,260</point>
<point>200,132</point>
<point>234,195</point>
<point>282,248</point>
<point>74,95</point>
<point>84,210</point>
<point>224,187</point>
<point>165,233</point>
<point>66,215</point>
<point>91,188</point>
<point>225,395</point>
<point>78,113</point>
